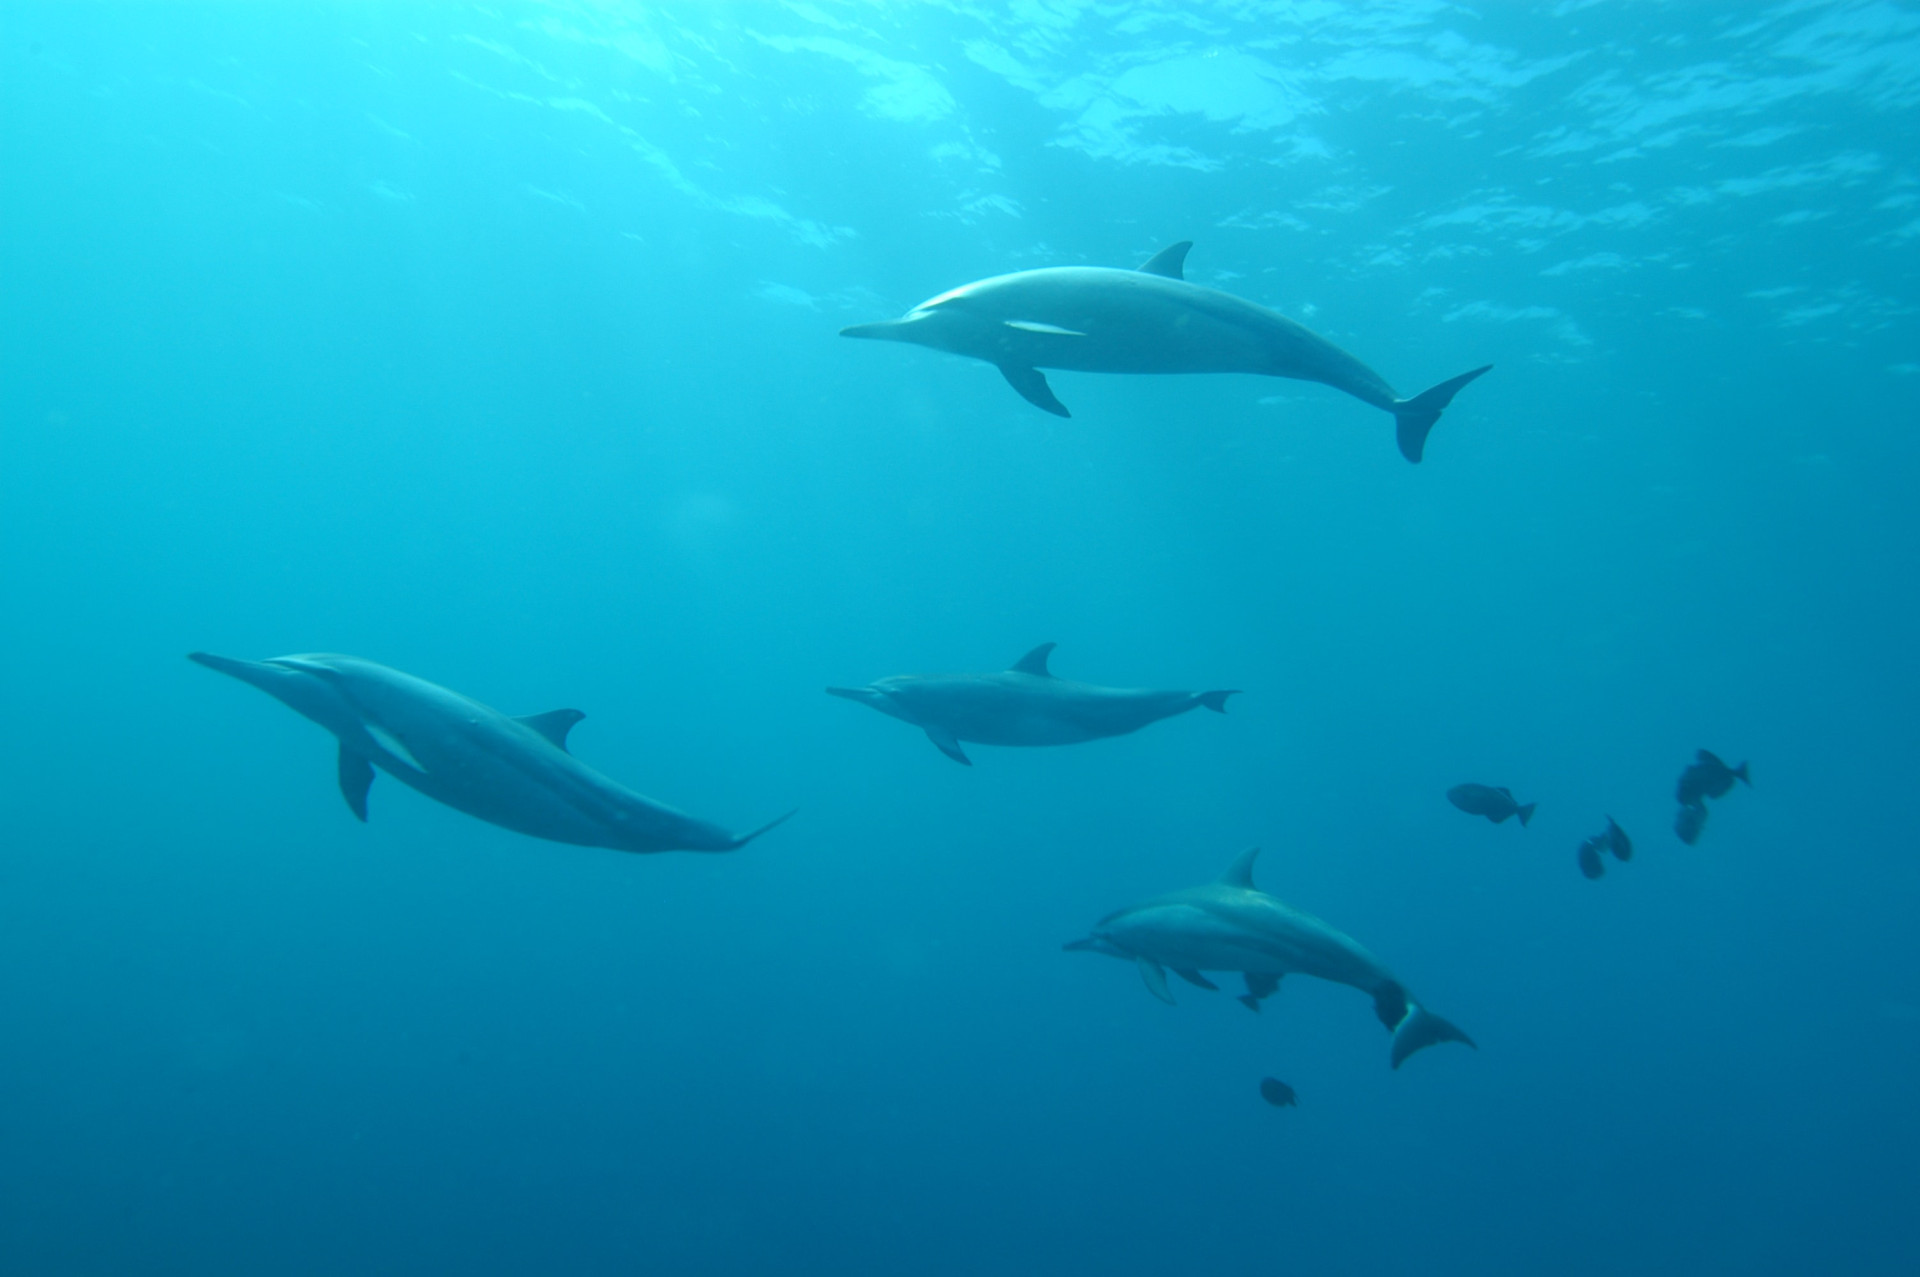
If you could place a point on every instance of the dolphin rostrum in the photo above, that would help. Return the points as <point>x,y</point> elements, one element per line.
<point>1151,320</point>
<point>1025,705</point>
<point>1229,925</point>
<point>513,772</point>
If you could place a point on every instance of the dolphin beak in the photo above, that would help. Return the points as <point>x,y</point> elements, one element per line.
<point>1073,946</point>
<point>254,672</point>
<point>865,695</point>
<point>885,330</point>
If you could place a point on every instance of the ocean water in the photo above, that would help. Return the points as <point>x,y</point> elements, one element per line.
<point>499,344</point>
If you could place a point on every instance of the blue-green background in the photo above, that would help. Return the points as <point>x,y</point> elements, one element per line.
<point>499,344</point>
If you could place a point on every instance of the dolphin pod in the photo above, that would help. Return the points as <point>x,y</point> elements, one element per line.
<point>1231,925</point>
<point>1150,320</point>
<point>1024,705</point>
<point>517,773</point>
<point>511,772</point>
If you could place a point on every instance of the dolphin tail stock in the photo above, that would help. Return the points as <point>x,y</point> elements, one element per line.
<point>1422,1028</point>
<point>1216,701</point>
<point>746,838</point>
<point>1525,812</point>
<point>1414,417</point>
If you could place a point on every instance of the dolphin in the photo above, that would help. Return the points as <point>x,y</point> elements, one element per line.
<point>1025,705</point>
<point>512,772</point>
<point>1151,320</point>
<point>1230,925</point>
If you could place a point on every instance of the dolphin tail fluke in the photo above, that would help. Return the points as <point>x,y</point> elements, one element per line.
<point>1217,701</point>
<point>746,838</point>
<point>1422,1028</point>
<point>1414,417</point>
<point>1525,812</point>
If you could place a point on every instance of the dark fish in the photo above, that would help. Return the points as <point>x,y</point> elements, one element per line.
<point>1496,804</point>
<point>1590,862</point>
<point>1277,1093</point>
<point>1617,841</point>
<point>1689,822</point>
<point>1708,778</point>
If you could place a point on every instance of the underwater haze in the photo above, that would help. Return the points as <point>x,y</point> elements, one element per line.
<point>500,344</point>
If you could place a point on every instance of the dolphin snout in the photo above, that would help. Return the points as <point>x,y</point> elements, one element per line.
<point>853,693</point>
<point>246,671</point>
<point>885,330</point>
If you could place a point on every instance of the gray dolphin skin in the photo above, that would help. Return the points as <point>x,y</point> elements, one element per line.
<point>1025,705</point>
<point>512,772</point>
<point>1230,925</point>
<point>1151,320</point>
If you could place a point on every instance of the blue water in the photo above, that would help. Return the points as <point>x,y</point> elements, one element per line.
<point>499,344</point>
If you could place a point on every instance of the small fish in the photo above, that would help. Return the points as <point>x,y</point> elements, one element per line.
<point>1689,822</point>
<point>1590,862</point>
<point>1277,1093</point>
<point>1493,802</point>
<point>1617,841</point>
<point>1708,778</point>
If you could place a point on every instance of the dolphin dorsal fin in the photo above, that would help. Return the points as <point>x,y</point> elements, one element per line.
<point>554,724</point>
<point>1169,260</point>
<point>1240,872</point>
<point>1035,662</point>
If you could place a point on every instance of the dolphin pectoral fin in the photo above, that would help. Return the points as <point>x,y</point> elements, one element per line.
<point>1414,417</point>
<point>393,745</point>
<point>554,724</point>
<point>1422,1028</point>
<point>1194,977</point>
<point>1032,386</point>
<point>1248,1001</point>
<point>947,743</point>
<point>356,777</point>
<point>746,838</point>
<point>1156,977</point>
<point>1169,261</point>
